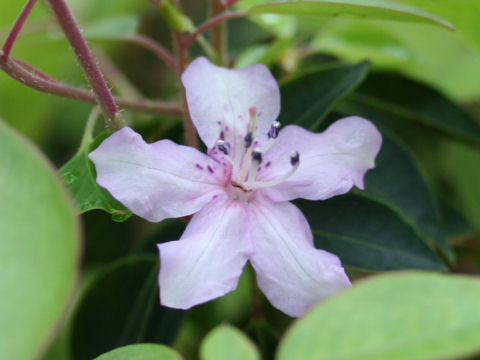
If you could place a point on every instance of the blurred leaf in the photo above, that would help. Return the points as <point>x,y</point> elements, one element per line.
<point>367,235</point>
<point>39,248</point>
<point>141,352</point>
<point>307,99</point>
<point>80,176</point>
<point>174,17</point>
<point>454,223</point>
<point>226,342</point>
<point>402,316</point>
<point>397,183</point>
<point>410,100</point>
<point>121,307</point>
<point>365,9</point>
<point>117,27</point>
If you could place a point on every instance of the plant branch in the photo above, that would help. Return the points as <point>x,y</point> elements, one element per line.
<point>211,23</point>
<point>85,58</point>
<point>29,76</point>
<point>155,47</point>
<point>12,36</point>
<point>180,50</point>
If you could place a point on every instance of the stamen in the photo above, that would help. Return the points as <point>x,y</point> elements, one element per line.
<point>256,161</point>
<point>274,130</point>
<point>253,119</point>
<point>294,160</point>
<point>222,146</point>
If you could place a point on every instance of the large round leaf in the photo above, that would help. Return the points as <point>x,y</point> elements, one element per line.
<point>141,352</point>
<point>404,316</point>
<point>39,246</point>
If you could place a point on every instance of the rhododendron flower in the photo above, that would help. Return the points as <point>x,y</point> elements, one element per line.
<point>239,191</point>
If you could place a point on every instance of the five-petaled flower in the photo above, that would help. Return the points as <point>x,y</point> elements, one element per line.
<point>239,191</point>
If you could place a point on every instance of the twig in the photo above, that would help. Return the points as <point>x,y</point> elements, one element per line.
<point>12,36</point>
<point>84,56</point>
<point>180,50</point>
<point>29,76</point>
<point>188,41</point>
<point>155,47</point>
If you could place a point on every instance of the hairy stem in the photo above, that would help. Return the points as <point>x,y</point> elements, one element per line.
<point>84,56</point>
<point>35,79</point>
<point>180,50</point>
<point>211,23</point>
<point>12,36</point>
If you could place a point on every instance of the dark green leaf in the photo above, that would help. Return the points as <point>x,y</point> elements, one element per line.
<point>39,248</point>
<point>141,352</point>
<point>360,9</point>
<point>402,316</point>
<point>79,175</point>
<point>307,99</point>
<point>122,307</point>
<point>454,223</point>
<point>397,183</point>
<point>406,99</point>
<point>367,235</point>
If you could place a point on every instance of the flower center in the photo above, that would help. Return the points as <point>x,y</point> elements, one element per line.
<point>247,157</point>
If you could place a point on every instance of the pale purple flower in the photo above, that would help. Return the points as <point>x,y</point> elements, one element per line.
<point>239,191</point>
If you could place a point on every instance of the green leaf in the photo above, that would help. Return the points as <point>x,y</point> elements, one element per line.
<point>79,175</point>
<point>358,9</point>
<point>117,27</point>
<point>141,352</point>
<point>406,99</point>
<point>39,248</point>
<point>367,235</point>
<point>307,99</point>
<point>397,183</point>
<point>402,316</point>
<point>226,342</point>
<point>121,307</point>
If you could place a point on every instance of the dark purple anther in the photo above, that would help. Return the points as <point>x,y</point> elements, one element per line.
<point>199,167</point>
<point>222,146</point>
<point>248,139</point>
<point>257,156</point>
<point>294,158</point>
<point>210,169</point>
<point>274,130</point>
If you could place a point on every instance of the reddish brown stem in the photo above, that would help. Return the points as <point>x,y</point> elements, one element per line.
<point>155,47</point>
<point>180,49</point>
<point>12,36</point>
<point>84,56</point>
<point>30,76</point>
<point>211,23</point>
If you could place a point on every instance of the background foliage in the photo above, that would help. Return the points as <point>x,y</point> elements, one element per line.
<point>395,63</point>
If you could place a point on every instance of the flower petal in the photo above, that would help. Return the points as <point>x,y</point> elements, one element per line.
<point>207,261</point>
<point>159,180</point>
<point>331,163</point>
<point>290,271</point>
<point>219,100</point>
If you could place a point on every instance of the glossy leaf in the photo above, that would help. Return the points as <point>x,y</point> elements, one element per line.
<point>403,316</point>
<point>39,248</point>
<point>226,342</point>
<point>141,352</point>
<point>367,235</point>
<point>397,183</point>
<point>363,9</point>
<point>410,100</point>
<point>80,176</point>
<point>121,307</point>
<point>307,99</point>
